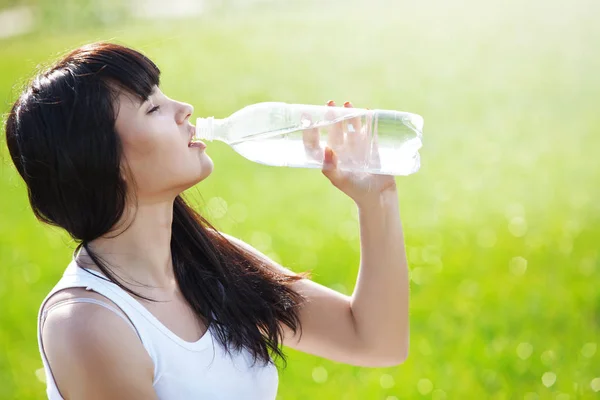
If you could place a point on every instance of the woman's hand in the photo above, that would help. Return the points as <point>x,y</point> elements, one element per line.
<point>354,147</point>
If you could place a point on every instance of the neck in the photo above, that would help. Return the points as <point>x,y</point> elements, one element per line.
<point>140,249</point>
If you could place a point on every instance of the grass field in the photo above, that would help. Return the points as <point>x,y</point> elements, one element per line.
<point>502,223</point>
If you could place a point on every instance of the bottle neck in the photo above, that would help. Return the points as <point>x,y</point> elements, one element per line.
<point>209,128</point>
<point>204,129</point>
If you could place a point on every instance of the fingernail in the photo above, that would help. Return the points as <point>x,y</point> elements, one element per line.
<point>347,104</point>
<point>331,103</point>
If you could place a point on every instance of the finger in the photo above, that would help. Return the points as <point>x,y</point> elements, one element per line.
<point>354,124</point>
<point>330,166</point>
<point>365,139</point>
<point>354,138</point>
<point>374,159</point>
<point>330,159</point>
<point>335,132</point>
<point>311,139</point>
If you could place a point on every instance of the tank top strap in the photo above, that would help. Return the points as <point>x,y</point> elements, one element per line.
<point>146,323</point>
<point>76,277</point>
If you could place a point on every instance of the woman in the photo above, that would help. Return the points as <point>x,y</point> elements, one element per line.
<point>156,303</point>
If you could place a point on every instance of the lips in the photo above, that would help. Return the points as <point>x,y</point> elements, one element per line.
<point>197,144</point>
<point>192,131</point>
<point>191,137</point>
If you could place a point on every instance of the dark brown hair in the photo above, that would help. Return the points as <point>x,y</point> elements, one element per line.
<point>62,140</point>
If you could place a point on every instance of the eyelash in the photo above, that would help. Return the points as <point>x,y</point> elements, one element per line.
<point>155,108</point>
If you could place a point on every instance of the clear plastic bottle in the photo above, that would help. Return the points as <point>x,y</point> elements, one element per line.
<point>295,135</point>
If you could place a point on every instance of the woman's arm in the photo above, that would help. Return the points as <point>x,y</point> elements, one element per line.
<point>370,328</point>
<point>381,297</point>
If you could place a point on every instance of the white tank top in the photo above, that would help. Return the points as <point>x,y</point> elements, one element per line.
<point>182,370</point>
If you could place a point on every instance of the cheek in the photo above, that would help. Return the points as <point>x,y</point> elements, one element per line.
<point>148,149</point>
<point>162,160</point>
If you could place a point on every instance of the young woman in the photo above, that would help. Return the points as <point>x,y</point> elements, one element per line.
<point>156,303</point>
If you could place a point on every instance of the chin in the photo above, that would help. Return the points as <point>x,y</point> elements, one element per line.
<point>195,176</point>
<point>203,172</point>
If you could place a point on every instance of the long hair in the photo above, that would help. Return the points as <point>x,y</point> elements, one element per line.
<point>61,137</point>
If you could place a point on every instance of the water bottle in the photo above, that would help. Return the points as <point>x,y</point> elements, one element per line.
<point>295,135</point>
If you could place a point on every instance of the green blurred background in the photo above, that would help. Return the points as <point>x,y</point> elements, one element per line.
<point>501,223</point>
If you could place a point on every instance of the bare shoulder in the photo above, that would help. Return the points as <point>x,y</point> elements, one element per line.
<point>93,353</point>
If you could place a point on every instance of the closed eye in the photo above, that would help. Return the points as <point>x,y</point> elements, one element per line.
<point>153,109</point>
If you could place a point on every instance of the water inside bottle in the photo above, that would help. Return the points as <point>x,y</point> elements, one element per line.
<point>388,145</point>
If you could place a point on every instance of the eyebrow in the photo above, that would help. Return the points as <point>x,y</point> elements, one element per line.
<point>142,103</point>
<point>146,100</point>
<point>153,92</point>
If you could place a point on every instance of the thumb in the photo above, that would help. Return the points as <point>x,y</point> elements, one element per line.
<point>330,162</point>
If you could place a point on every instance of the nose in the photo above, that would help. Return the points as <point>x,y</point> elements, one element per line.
<point>184,112</point>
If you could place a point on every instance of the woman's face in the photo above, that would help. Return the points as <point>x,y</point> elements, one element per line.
<point>155,137</point>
